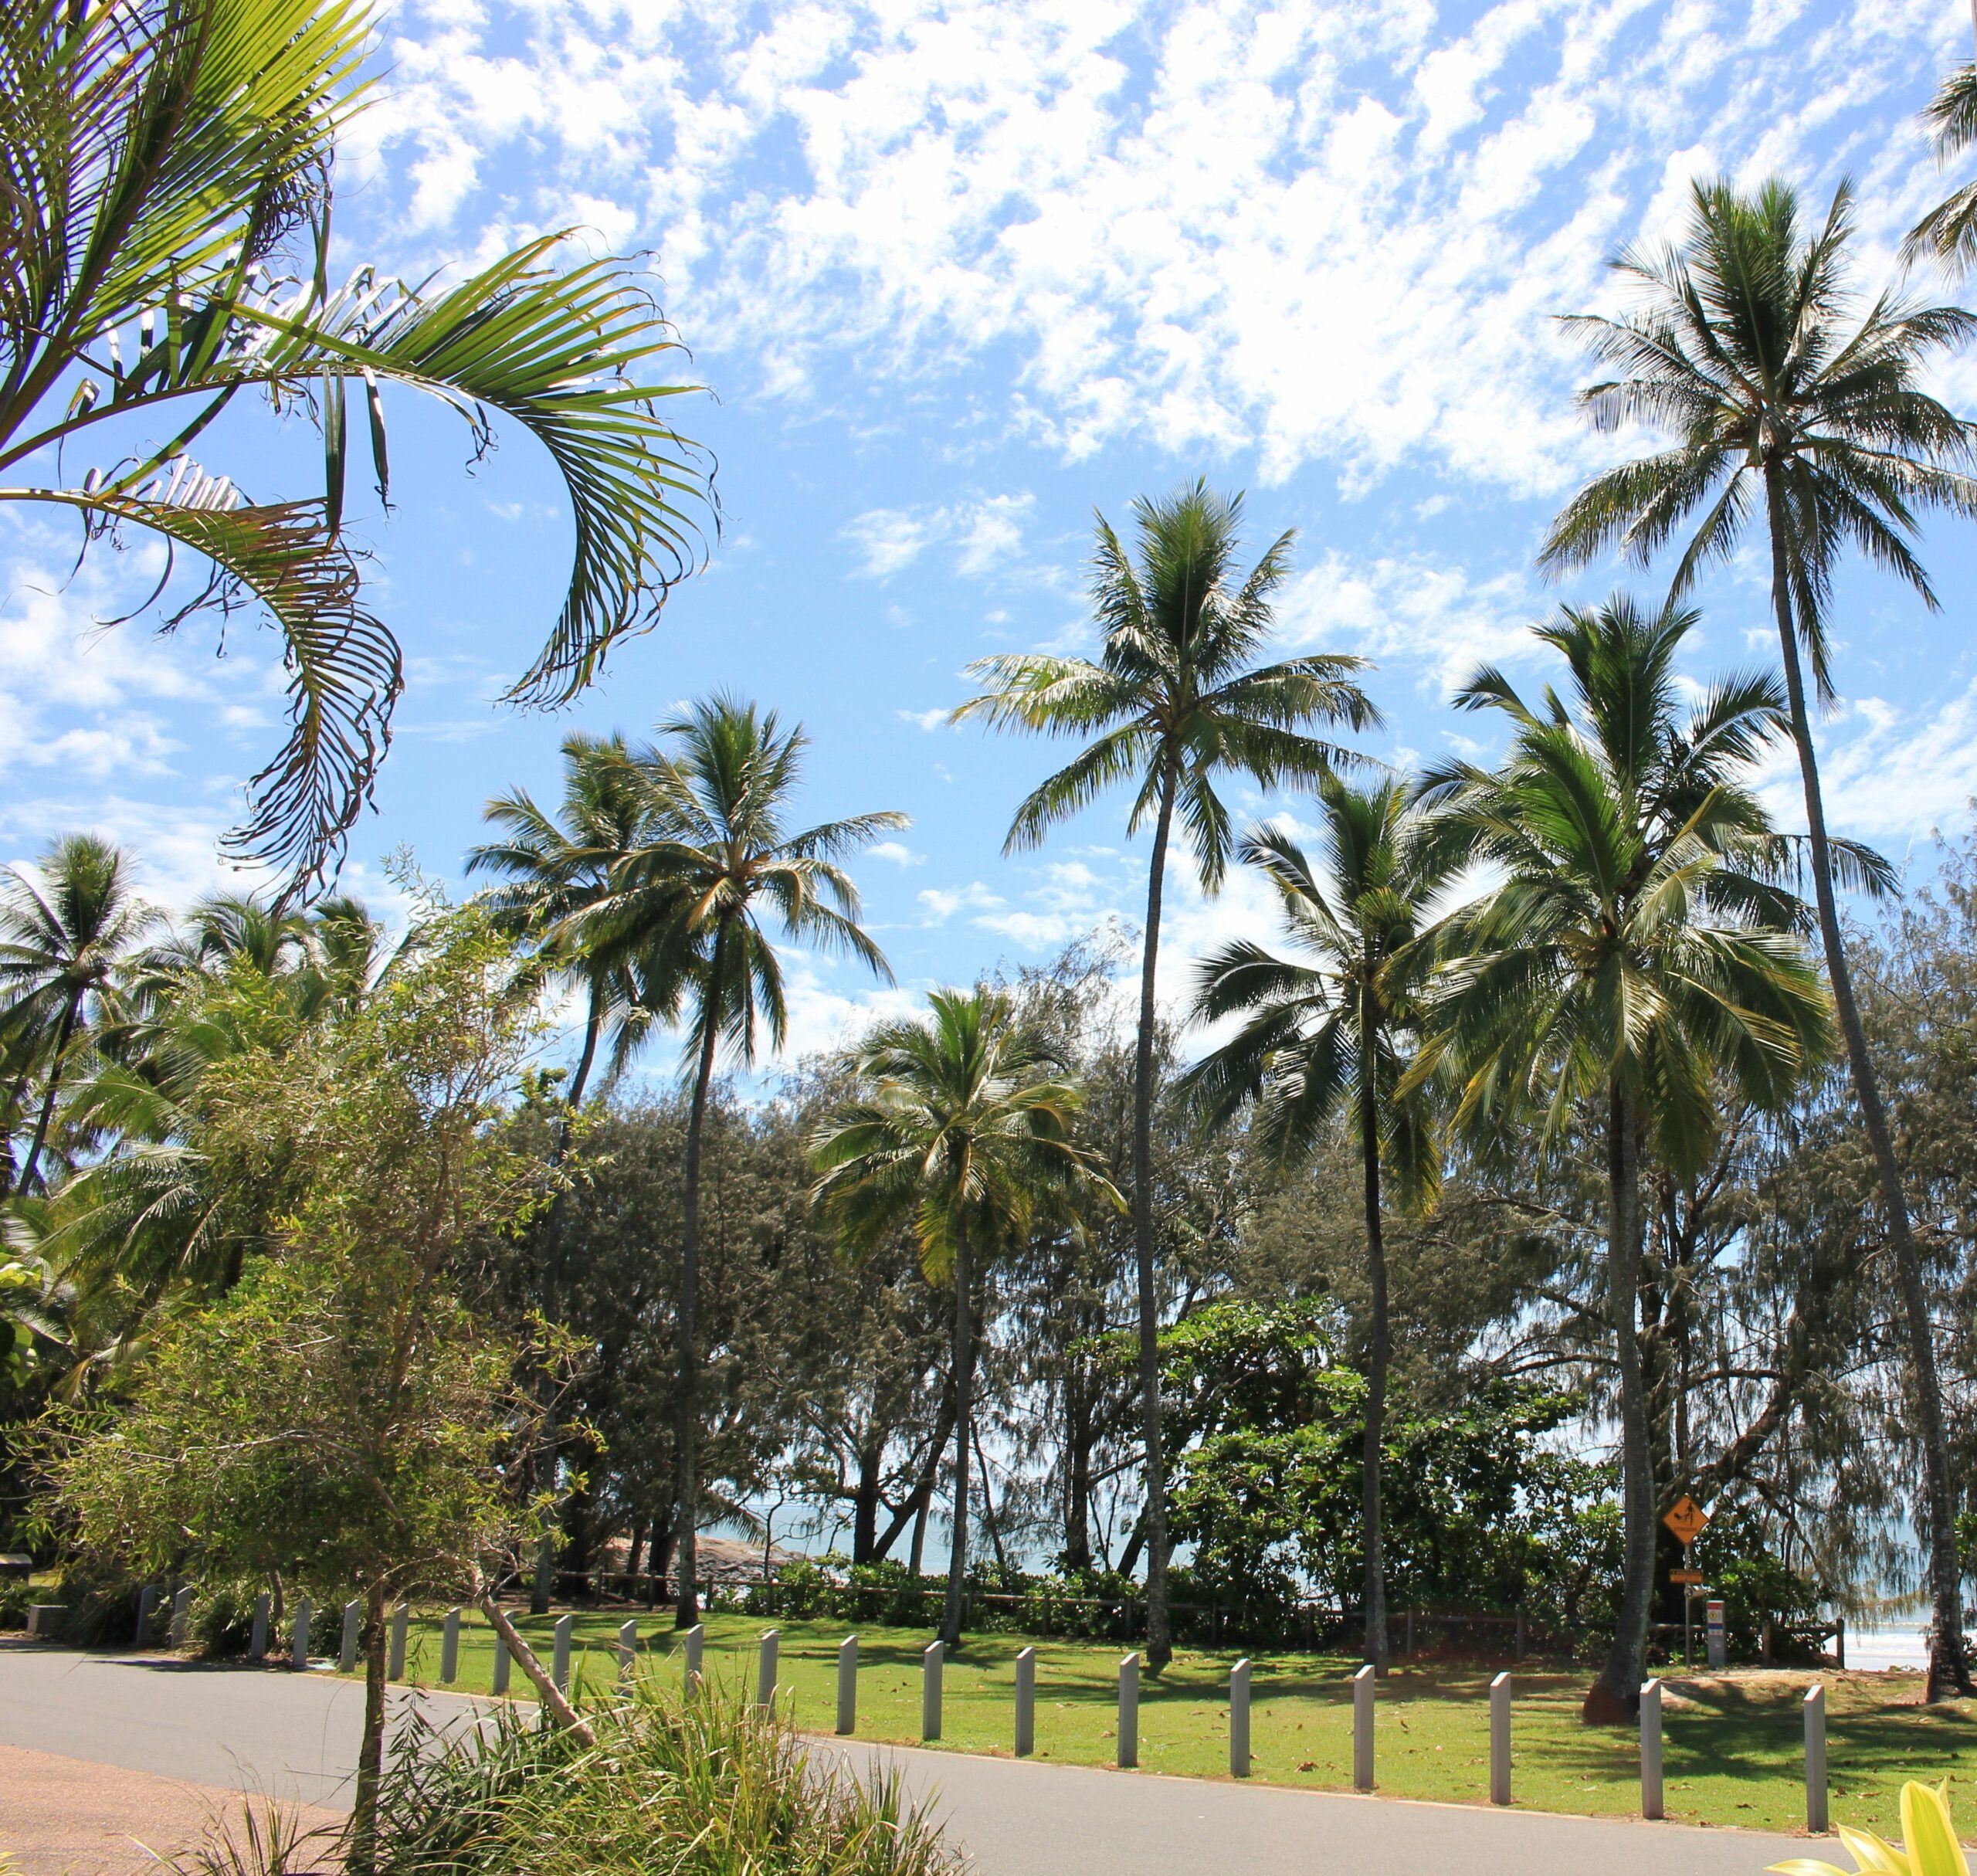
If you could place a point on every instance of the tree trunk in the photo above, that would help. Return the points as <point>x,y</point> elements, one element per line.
<point>533,1670</point>
<point>865,1500</point>
<point>1375,1649</point>
<point>963,1368</point>
<point>989,1507</point>
<point>1159,1639</point>
<point>64,1030</point>
<point>1949,1673</point>
<point>914,1511</point>
<point>1077,1484</point>
<point>361,1858</point>
<point>687,1426</point>
<point>1617,1691</point>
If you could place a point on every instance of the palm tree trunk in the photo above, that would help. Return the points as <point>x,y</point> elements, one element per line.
<point>1377,1355</point>
<point>1159,1638</point>
<point>686,1423</point>
<point>1617,1691</point>
<point>963,1361</point>
<point>63,1032</point>
<point>1949,1672</point>
<point>361,1858</point>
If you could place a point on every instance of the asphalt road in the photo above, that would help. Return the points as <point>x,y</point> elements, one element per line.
<point>294,1737</point>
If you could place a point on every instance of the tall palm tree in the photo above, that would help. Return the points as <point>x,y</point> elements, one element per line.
<point>686,914</point>
<point>961,1129</point>
<point>1637,948</point>
<point>66,929</point>
<point>1175,701</point>
<point>1334,1029</point>
<point>164,250</point>
<point>1790,406</point>
<point>1948,231</point>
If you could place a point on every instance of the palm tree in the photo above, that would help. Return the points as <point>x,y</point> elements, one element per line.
<point>685,915</point>
<point>63,936</point>
<point>1337,1032</point>
<point>1948,231</point>
<point>1175,701</point>
<point>1788,406</point>
<point>165,247</point>
<point>961,1129</point>
<point>1637,948</point>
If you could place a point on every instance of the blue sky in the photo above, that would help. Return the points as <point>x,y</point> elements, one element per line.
<point>957,275</point>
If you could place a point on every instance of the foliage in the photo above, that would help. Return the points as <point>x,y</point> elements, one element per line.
<point>1929,1843</point>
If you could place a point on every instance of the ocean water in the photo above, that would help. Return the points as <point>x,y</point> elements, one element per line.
<point>1902,1646</point>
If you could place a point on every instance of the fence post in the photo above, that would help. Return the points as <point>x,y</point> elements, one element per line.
<point>1816,1810</point>
<point>1764,1643</point>
<point>299,1654</point>
<point>1499,1740</point>
<point>1408,1645</point>
<point>1129,1712</point>
<point>353,1618</point>
<point>561,1674</point>
<point>181,1616</point>
<point>1362,1728</point>
<point>847,1685</point>
<point>257,1645</point>
<point>690,1643</point>
<point>401,1620</point>
<point>628,1648</point>
<point>1840,1637</point>
<point>1238,1719</point>
<point>501,1659</point>
<point>1651,1750</point>
<point>766,1667</point>
<point>930,1690</point>
<point>147,1602</point>
<point>1026,1702</point>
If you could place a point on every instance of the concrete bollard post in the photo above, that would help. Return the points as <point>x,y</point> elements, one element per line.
<point>449,1649</point>
<point>1026,1702</point>
<point>564,1624</point>
<point>299,1654</point>
<point>847,1684</point>
<point>1363,1683</point>
<point>1129,1712</point>
<point>1238,1719</point>
<point>930,1690</point>
<point>503,1660</point>
<point>181,1616</point>
<point>1499,1740</point>
<point>353,1620</point>
<point>146,1603</point>
<point>1816,1821</point>
<point>691,1641</point>
<point>1651,1750</point>
<point>628,1650</point>
<point>257,1644</point>
<point>765,1667</point>
<point>401,1627</point>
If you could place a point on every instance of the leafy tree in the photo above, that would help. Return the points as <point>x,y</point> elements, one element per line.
<point>1788,406</point>
<point>1176,701</point>
<point>165,247</point>
<point>1633,951</point>
<point>688,911</point>
<point>1336,1033</point>
<point>962,1128</point>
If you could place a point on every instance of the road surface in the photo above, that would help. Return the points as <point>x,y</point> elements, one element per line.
<point>294,1737</point>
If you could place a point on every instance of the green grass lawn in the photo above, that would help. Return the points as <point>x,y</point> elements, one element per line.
<point>1733,1746</point>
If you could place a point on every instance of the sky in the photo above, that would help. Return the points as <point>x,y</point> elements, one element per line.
<point>954,277</point>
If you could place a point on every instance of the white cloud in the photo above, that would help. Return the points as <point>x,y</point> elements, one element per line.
<point>889,540</point>
<point>898,852</point>
<point>929,720</point>
<point>940,903</point>
<point>988,533</point>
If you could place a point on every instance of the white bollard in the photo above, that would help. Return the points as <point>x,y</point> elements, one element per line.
<point>1816,1821</point>
<point>401,1627</point>
<point>691,1641</point>
<point>628,1650</point>
<point>181,1616</point>
<point>847,1684</point>
<point>563,1626</point>
<point>930,1690</point>
<point>1238,1719</point>
<point>147,1602</point>
<point>1362,1728</point>
<point>257,1645</point>
<point>1129,1712</point>
<point>353,1617</point>
<point>299,1654</point>
<point>1499,1740</point>
<point>1026,1702</point>
<point>765,1667</point>
<point>502,1660</point>
<point>1651,1750</point>
<point>449,1649</point>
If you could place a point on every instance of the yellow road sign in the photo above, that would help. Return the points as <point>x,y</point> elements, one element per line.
<point>1687,1576</point>
<point>1687,1519</point>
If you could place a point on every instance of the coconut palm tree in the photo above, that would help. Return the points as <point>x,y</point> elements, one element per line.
<point>1637,948</point>
<point>164,248</point>
<point>1333,1030</point>
<point>1176,701</point>
<point>1791,408</point>
<point>687,916</point>
<point>1948,231</point>
<point>962,1130</point>
<point>66,930</point>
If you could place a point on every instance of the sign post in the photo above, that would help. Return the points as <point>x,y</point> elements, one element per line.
<point>1687,1518</point>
